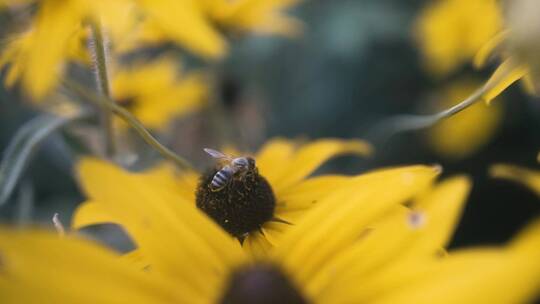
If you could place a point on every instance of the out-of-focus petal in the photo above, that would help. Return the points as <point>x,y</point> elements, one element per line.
<point>527,177</point>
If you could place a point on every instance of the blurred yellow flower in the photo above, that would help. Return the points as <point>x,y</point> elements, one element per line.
<point>58,33</point>
<point>258,16</point>
<point>155,92</point>
<point>509,71</point>
<point>241,16</point>
<point>38,57</point>
<point>517,46</point>
<point>364,248</point>
<point>282,163</point>
<point>468,131</point>
<point>450,32</point>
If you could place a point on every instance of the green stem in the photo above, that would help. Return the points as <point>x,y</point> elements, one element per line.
<point>125,115</point>
<point>98,50</point>
<point>404,123</point>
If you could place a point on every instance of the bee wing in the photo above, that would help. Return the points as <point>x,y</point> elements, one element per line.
<point>216,154</point>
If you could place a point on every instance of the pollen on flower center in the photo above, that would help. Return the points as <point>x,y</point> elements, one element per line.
<point>261,284</point>
<point>242,206</point>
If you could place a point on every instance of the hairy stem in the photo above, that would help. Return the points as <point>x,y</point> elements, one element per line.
<point>98,49</point>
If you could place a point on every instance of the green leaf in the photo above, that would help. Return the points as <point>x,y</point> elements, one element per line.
<point>23,145</point>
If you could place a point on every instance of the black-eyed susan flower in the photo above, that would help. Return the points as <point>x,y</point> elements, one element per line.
<point>450,32</point>
<point>366,248</point>
<point>238,17</point>
<point>38,57</point>
<point>257,215</point>
<point>466,132</point>
<point>156,91</point>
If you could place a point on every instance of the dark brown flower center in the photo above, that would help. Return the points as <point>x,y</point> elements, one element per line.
<point>242,205</point>
<point>261,284</point>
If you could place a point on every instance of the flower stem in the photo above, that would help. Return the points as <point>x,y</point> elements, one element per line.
<point>405,123</point>
<point>98,49</point>
<point>110,105</point>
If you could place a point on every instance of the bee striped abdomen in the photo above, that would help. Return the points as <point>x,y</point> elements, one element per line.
<point>221,178</point>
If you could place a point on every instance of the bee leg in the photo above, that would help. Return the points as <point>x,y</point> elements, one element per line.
<point>216,189</point>
<point>278,220</point>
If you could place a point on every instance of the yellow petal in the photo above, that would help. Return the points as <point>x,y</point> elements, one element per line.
<point>479,276</point>
<point>527,177</point>
<point>15,54</point>
<point>488,49</point>
<point>91,213</point>
<point>529,85</point>
<point>256,245</point>
<point>184,22</point>
<point>274,152</point>
<point>57,23</point>
<point>345,214</point>
<point>136,259</point>
<point>310,156</point>
<point>441,208</point>
<point>505,75</point>
<point>451,32</point>
<point>306,193</point>
<point>69,270</point>
<point>145,82</point>
<point>273,231</point>
<point>259,16</point>
<point>528,239</point>
<point>400,235</point>
<point>156,219</point>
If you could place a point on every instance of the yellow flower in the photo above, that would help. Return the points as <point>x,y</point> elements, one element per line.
<point>37,58</point>
<point>517,46</point>
<point>450,32</point>
<point>156,93</point>
<point>283,164</point>
<point>468,131</point>
<point>364,248</point>
<point>244,16</point>
<point>58,33</point>
<point>509,71</point>
<point>259,16</point>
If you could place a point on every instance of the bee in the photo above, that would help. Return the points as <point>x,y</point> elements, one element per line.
<point>233,166</point>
